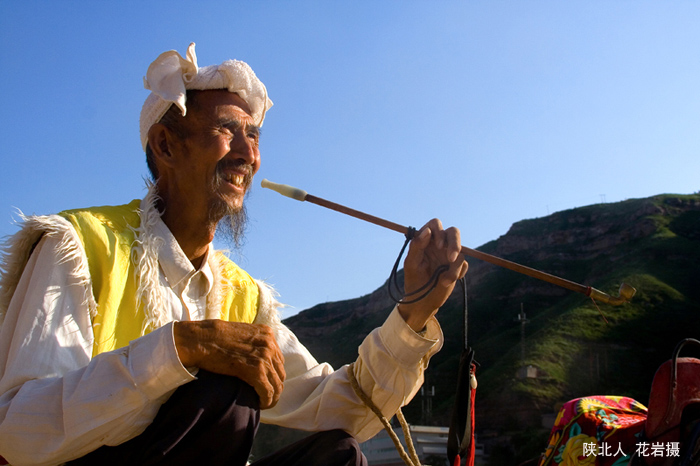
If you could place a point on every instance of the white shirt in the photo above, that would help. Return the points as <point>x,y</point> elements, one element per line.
<point>57,403</point>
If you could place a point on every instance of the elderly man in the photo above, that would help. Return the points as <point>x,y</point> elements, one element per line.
<point>128,340</point>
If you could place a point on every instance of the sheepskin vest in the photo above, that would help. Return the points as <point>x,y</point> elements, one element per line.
<point>123,269</point>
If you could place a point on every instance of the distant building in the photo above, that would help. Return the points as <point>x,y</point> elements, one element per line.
<point>528,372</point>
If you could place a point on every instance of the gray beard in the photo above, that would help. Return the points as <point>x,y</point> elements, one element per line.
<point>232,226</point>
<point>231,222</point>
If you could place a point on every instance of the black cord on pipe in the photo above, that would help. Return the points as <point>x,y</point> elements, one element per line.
<point>393,284</point>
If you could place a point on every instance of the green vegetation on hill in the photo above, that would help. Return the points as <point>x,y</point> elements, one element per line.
<point>652,244</point>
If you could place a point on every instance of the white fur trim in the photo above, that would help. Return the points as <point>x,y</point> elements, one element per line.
<point>144,253</point>
<point>17,248</point>
<point>268,310</point>
<point>219,287</point>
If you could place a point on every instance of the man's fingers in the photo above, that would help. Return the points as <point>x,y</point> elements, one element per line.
<point>444,248</point>
<point>422,239</point>
<point>271,374</point>
<point>275,395</point>
<point>269,390</point>
<point>463,269</point>
<point>457,270</point>
<point>446,244</point>
<point>277,376</point>
<point>266,380</point>
<point>438,233</point>
<point>278,367</point>
<point>454,244</point>
<point>448,240</point>
<point>433,247</point>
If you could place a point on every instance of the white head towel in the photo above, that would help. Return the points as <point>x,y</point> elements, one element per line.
<point>170,76</point>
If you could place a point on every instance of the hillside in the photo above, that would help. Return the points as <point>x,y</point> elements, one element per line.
<point>652,244</point>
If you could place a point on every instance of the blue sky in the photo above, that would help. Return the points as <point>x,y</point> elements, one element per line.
<point>481,113</point>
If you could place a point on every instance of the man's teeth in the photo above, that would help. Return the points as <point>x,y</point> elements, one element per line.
<point>236,180</point>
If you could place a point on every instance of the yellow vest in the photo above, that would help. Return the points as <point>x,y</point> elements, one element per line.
<point>107,235</point>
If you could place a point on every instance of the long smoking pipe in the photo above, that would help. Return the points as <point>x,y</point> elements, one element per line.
<point>625,294</point>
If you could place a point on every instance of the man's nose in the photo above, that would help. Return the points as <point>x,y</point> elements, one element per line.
<point>244,147</point>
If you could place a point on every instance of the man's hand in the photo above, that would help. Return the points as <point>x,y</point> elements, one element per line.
<point>432,247</point>
<point>246,351</point>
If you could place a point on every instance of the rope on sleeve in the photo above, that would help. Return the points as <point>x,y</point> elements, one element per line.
<point>409,460</point>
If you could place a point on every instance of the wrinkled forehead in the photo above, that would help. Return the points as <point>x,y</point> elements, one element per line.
<point>218,103</point>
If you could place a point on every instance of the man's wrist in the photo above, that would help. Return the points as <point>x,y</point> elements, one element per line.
<point>415,319</point>
<point>154,363</point>
<point>184,334</point>
<point>407,347</point>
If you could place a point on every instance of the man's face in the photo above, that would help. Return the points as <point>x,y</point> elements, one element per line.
<point>220,153</point>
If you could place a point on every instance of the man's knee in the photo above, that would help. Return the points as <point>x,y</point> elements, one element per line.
<point>345,449</point>
<point>224,390</point>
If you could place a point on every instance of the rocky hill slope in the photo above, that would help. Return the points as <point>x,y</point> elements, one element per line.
<point>652,244</point>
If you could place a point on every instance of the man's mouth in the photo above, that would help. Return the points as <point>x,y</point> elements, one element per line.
<point>235,179</point>
<point>237,175</point>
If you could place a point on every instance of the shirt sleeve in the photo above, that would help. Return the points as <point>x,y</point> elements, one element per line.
<point>389,369</point>
<point>57,403</point>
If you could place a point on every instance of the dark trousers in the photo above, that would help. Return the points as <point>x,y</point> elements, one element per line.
<point>212,421</point>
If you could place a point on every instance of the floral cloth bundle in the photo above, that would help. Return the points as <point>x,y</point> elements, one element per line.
<point>597,430</point>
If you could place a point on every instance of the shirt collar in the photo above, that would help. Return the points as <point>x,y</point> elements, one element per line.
<point>176,266</point>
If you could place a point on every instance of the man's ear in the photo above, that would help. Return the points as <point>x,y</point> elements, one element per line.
<point>162,141</point>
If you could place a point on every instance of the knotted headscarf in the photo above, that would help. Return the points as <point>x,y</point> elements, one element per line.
<point>170,76</point>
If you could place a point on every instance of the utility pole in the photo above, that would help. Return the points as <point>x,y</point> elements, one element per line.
<point>427,403</point>
<point>523,320</point>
